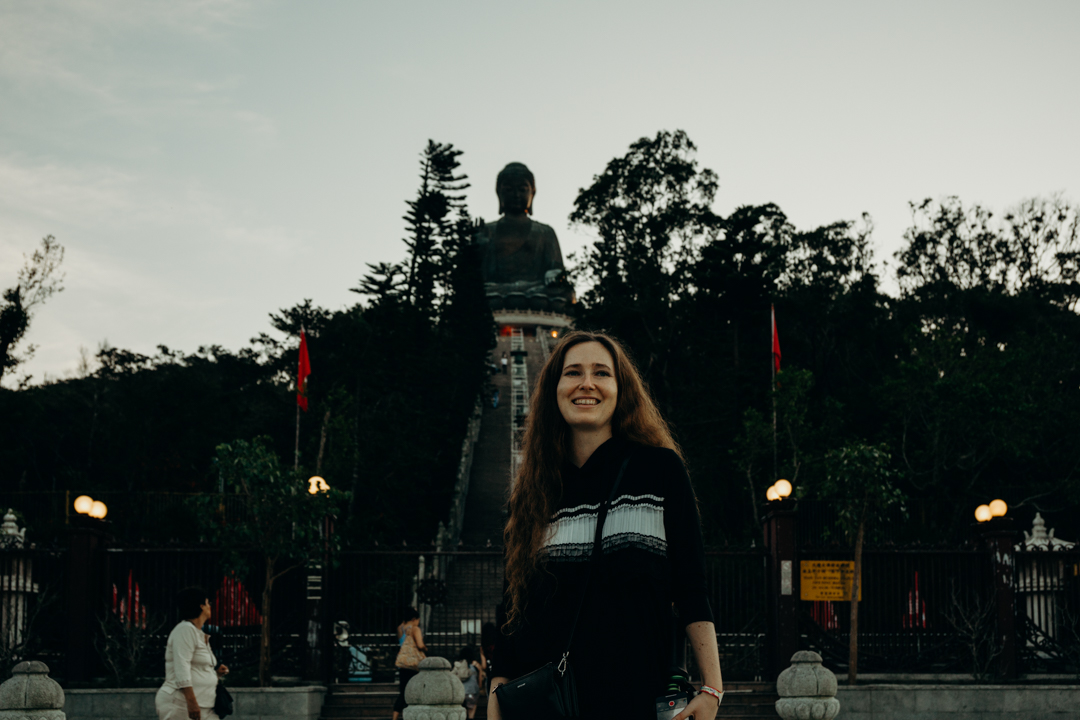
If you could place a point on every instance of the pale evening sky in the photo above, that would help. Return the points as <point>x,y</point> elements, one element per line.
<point>207,162</point>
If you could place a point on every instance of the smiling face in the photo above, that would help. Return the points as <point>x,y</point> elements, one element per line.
<point>587,390</point>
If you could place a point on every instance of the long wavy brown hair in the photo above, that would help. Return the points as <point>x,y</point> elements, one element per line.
<point>545,448</point>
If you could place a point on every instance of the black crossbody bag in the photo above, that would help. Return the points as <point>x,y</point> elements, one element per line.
<point>551,692</point>
<point>223,702</point>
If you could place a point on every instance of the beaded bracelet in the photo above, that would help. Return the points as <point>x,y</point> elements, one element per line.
<point>718,694</point>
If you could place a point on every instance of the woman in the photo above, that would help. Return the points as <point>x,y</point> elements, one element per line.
<point>190,679</point>
<point>590,411</point>
<point>411,649</point>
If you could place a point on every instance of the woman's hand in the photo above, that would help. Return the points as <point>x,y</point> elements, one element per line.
<point>222,671</point>
<point>702,707</point>
<point>193,710</point>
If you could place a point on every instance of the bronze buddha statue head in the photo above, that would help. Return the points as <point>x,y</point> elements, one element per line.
<point>516,188</point>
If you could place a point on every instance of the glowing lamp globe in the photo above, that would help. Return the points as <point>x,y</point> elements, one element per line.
<point>998,508</point>
<point>98,510</point>
<point>317,485</point>
<point>982,513</point>
<point>783,488</point>
<point>83,504</point>
<point>772,494</point>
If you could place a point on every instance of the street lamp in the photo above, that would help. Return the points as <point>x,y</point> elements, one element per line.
<point>998,508</point>
<point>317,485</point>
<point>83,504</point>
<point>983,514</point>
<point>779,490</point>
<point>98,510</point>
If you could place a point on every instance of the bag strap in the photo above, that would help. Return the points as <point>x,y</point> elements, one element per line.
<point>594,560</point>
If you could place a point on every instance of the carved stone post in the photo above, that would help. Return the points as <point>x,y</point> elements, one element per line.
<point>783,606</point>
<point>435,693</point>
<point>807,689</point>
<point>30,694</point>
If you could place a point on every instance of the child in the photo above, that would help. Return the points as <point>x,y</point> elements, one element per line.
<point>470,673</point>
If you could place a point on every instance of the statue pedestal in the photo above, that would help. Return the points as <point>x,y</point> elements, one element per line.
<point>532,318</point>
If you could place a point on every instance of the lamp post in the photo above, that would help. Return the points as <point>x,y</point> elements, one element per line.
<point>780,542</point>
<point>87,576</point>
<point>318,635</point>
<point>999,538</point>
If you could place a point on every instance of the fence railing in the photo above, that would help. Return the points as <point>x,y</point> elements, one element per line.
<point>922,611</point>
<point>143,584</point>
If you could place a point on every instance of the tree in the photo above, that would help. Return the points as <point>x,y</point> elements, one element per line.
<point>38,280</point>
<point>287,523</point>
<point>430,221</point>
<point>1034,248</point>
<point>652,211</point>
<point>860,480</point>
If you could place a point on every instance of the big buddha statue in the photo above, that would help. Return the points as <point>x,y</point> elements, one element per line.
<point>521,261</point>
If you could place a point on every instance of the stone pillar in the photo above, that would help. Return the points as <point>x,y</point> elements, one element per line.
<point>783,585</point>
<point>999,537</point>
<point>435,693</point>
<point>320,638</point>
<point>30,694</point>
<point>85,594</point>
<point>807,689</point>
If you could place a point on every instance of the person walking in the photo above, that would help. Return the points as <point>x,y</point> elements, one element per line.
<point>411,650</point>
<point>595,435</point>
<point>191,670</point>
<point>505,361</point>
<point>471,674</point>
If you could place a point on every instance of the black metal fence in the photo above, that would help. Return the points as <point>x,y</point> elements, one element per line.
<point>921,611</point>
<point>737,586</point>
<point>141,598</point>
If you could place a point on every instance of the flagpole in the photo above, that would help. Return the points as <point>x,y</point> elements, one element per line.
<point>296,461</point>
<point>772,390</point>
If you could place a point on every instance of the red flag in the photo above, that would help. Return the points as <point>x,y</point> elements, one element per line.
<point>302,373</point>
<point>775,341</point>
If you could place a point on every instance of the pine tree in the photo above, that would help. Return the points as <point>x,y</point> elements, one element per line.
<point>431,224</point>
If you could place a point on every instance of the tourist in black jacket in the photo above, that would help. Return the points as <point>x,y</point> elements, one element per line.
<point>589,412</point>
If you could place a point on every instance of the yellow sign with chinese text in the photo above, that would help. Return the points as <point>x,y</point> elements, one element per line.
<point>827,580</point>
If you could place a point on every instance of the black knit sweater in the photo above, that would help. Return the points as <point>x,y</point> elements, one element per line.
<point>652,558</point>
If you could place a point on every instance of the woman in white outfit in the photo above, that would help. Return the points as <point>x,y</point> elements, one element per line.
<point>191,670</point>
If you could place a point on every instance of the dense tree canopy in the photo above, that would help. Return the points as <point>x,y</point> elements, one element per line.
<point>969,379</point>
<point>395,379</point>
